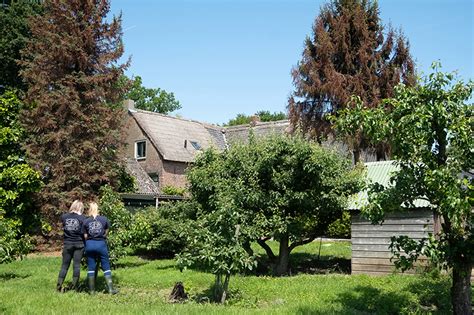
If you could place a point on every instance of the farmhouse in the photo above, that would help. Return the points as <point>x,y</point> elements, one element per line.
<point>159,148</point>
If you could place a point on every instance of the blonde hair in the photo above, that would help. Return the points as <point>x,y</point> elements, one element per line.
<point>77,207</point>
<point>93,209</point>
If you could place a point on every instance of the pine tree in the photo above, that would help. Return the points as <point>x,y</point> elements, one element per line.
<point>348,54</point>
<point>15,32</point>
<point>71,70</point>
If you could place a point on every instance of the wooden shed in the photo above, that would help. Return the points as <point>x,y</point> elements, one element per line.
<point>370,243</point>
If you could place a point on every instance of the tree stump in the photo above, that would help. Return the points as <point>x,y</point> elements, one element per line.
<point>178,294</point>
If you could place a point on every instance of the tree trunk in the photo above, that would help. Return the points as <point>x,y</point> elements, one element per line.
<point>281,268</point>
<point>461,289</point>
<point>221,288</point>
<point>356,154</point>
<point>225,288</point>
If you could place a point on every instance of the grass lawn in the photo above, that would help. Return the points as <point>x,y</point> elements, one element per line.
<point>28,287</point>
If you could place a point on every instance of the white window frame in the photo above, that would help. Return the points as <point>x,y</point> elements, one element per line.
<point>136,150</point>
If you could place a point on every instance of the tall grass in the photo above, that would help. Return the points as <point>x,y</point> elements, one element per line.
<point>28,287</point>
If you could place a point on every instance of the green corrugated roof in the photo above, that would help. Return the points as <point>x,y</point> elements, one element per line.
<point>379,172</point>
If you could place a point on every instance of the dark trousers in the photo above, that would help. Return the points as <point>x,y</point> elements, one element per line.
<point>72,252</point>
<point>97,250</point>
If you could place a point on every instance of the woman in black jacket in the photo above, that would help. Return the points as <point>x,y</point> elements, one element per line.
<point>73,244</point>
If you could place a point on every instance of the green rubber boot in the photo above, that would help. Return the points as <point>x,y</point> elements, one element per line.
<point>91,281</point>
<point>110,286</point>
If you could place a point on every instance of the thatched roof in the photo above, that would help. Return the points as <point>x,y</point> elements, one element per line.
<point>178,139</point>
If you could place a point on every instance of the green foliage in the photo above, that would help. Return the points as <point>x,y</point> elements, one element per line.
<point>17,182</point>
<point>118,237</point>
<point>162,231</point>
<point>159,232</point>
<point>173,190</point>
<point>282,187</point>
<point>13,243</point>
<point>126,181</point>
<point>431,130</point>
<point>15,34</point>
<point>341,228</point>
<point>263,115</point>
<point>153,100</point>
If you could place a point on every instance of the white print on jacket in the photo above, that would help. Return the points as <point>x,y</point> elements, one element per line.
<point>72,225</point>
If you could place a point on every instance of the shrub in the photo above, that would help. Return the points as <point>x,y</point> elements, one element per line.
<point>112,207</point>
<point>341,228</point>
<point>12,243</point>
<point>160,231</point>
<point>173,190</point>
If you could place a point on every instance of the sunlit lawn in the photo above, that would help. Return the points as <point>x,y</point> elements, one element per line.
<point>27,287</point>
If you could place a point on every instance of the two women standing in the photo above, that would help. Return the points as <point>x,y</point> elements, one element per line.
<point>85,233</point>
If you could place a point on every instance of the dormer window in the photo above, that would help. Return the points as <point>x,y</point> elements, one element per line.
<point>140,150</point>
<point>196,145</point>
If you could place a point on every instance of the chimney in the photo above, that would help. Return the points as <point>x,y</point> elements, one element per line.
<point>254,120</point>
<point>185,144</point>
<point>129,104</point>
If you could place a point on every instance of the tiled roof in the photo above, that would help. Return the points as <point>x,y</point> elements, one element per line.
<point>240,133</point>
<point>174,137</point>
<point>145,184</point>
<point>379,172</point>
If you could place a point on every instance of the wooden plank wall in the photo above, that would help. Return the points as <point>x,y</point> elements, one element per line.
<point>370,252</point>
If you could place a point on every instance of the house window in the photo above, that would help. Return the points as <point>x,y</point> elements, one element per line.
<point>154,177</point>
<point>196,145</point>
<point>140,150</point>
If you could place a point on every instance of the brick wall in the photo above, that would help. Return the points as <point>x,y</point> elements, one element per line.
<point>173,174</point>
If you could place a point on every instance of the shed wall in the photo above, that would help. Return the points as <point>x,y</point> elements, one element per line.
<point>370,243</point>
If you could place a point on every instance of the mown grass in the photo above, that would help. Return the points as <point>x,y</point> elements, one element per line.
<point>27,287</point>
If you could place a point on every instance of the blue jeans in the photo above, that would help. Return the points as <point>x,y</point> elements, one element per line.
<point>95,250</point>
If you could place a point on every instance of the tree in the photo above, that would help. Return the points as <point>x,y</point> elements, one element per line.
<point>280,187</point>
<point>153,100</point>
<point>347,55</point>
<point>262,115</point>
<point>431,130</point>
<point>17,182</point>
<point>14,23</point>
<point>72,74</point>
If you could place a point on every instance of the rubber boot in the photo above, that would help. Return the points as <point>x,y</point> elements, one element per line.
<point>91,281</point>
<point>110,286</point>
<point>75,281</point>
<point>59,285</point>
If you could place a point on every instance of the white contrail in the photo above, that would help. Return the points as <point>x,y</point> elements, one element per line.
<point>129,28</point>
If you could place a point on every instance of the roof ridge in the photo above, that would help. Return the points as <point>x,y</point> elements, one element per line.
<point>205,124</point>
<point>260,123</point>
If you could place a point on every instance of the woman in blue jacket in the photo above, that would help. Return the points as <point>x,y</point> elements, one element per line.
<point>95,230</point>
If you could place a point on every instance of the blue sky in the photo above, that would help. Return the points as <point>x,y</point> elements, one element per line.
<point>224,57</point>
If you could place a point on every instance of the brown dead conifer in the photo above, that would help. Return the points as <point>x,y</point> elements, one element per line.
<point>71,69</point>
<point>349,53</point>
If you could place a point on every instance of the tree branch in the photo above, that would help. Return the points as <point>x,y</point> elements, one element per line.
<point>261,241</point>
<point>301,242</point>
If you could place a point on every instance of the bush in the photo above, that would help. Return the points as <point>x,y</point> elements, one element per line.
<point>118,238</point>
<point>173,190</point>
<point>160,231</point>
<point>12,243</point>
<point>341,228</point>
<point>156,231</point>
